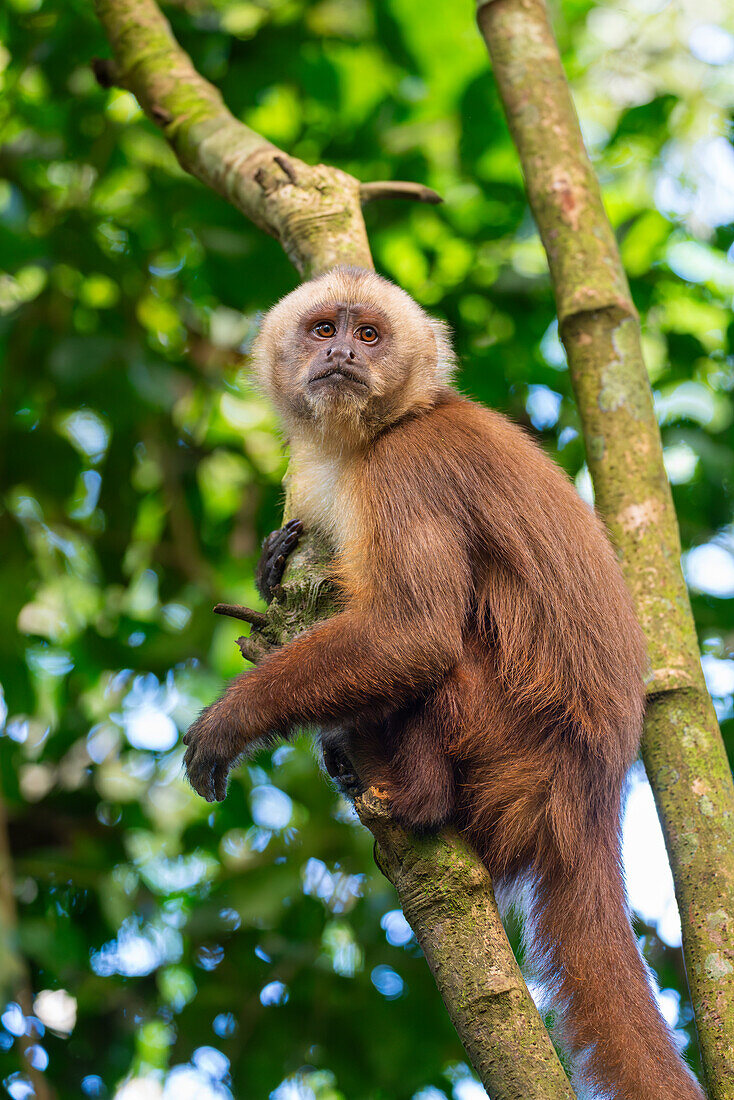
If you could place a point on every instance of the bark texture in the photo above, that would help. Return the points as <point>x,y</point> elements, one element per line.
<point>682,747</point>
<point>446,895</point>
<point>315,213</point>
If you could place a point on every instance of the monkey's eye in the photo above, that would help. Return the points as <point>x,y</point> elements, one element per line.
<point>367,334</point>
<point>324,329</point>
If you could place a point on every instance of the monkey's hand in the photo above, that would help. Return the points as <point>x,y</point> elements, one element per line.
<point>214,744</point>
<point>276,548</point>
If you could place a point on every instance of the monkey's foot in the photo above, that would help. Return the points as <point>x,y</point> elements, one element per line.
<point>341,770</point>
<point>276,548</point>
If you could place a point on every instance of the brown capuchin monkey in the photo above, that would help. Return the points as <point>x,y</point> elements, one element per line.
<point>485,667</point>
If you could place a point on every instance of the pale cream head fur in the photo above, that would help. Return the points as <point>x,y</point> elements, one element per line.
<point>406,371</point>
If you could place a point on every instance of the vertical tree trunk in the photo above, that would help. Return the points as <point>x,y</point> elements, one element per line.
<point>682,746</point>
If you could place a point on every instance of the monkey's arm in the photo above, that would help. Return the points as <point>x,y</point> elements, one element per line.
<point>399,635</point>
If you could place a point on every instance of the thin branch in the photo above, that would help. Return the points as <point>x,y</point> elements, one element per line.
<point>682,747</point>
<point>397,189</point>
<point>236,611</point>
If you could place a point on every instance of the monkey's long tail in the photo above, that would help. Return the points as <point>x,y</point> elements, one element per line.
<point>589,958</point>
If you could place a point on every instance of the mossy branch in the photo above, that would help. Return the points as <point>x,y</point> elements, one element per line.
<point>446,895</point>
<point>313,210</point>
<point>315,213</point>
<point>682,746</point>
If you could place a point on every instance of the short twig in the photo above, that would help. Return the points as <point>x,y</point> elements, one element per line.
<point>254,648</point>
<point>235,611</point>
<point>263,180</point>
<point>397,189</point>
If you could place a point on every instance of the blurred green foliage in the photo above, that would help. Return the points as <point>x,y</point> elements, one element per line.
<point>253,949</point>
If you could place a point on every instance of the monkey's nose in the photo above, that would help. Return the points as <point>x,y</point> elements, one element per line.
<point>340,354</point>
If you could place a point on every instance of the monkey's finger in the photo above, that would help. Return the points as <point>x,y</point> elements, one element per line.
<point>205,787</point>
<point>274,572</point>
<point>282,542</point>
<point>219,781</point>
<point>200,772</point>
<point>207,783</point>
<point>293,531</point>
<point>269,540</point>
<point>288,545</point>
<point>189,759</point>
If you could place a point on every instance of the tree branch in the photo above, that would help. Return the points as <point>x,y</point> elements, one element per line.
<point>397,189</point>
<point>446,895</point>
<point>682,747</point>
<point>315,213</point>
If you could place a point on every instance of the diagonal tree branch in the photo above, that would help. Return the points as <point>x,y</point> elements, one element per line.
<point>446,895</point>
<point>315,213</point>
<point>682,746</point>
<point>313,210</point>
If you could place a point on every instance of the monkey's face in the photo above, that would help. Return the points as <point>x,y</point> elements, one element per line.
<point>350,353</point>
<point>342,350</point>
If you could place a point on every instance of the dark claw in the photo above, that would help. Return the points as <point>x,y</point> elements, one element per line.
<point>207,775</point>
<point>276,549</point>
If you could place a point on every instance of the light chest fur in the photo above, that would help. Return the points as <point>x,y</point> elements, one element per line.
<point>327,493</point>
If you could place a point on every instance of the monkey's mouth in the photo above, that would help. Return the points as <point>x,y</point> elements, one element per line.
<point>336,376</point>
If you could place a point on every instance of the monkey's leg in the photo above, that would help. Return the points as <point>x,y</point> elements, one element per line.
<point>406,758</point>
<point>276,548</point>
<point>421,783</point>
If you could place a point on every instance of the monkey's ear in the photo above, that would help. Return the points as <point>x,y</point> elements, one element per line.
<point>266,353</point>
<point>446,363</point>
